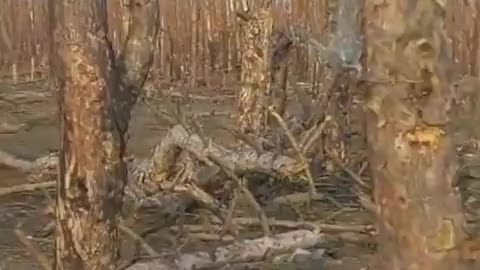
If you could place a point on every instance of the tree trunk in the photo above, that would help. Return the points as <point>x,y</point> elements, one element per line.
<point>97,90</point>
<point>255,70</point>
<point>412,158</point>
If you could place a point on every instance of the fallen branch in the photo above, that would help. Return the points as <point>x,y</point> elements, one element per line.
<point>211,237</point>
<point>192,96</point>
<point>239,162</point>
<point>7,128</point>
<point>148,176</point>
<point>243,251</point>
<point>290,224</point>
<point>295,198</point>
<point>364,199</point>
<point>26,187</point>
<point>178,139</point>
<point>357,178</point>
<point>311,225</point>
<point>301,157</point>
<point>312,135</point>
<point>132,234</point>
<point>14,162</point>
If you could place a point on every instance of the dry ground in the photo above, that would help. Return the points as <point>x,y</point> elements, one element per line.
<point>34,106</point>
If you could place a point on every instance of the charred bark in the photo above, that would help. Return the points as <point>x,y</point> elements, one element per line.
<point>97,90</point>
<point>412,158</point>
<point>255,70</point>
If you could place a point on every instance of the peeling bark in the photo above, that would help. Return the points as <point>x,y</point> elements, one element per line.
<point>412,157</point>
<point>97,91</point>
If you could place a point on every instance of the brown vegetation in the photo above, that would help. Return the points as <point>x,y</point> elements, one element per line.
<point>306,76</point>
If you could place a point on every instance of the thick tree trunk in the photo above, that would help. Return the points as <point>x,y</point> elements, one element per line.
<point>411,155</point>
<point>97,90</point>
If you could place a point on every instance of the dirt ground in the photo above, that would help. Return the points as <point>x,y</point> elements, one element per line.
<point>33,105</point>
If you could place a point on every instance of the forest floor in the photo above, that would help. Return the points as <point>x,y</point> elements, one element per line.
<point>29,111</point>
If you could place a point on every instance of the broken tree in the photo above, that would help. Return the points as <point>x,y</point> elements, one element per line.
<point>98,87</point>
<point>412,157</point>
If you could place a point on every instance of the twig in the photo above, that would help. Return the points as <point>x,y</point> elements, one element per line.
<point>314,226</point>
<point>310,140</point>
<point>199,195</point>
<point>263,217</point>
<point>229,226</point>
<point>245,138</point>
<point>362,168</point>
<point>41,259</point>
<point>197,127</point>
<point>7,128</point>
<point>123,228</point>
<point>336,213</point>
<point>194,228</point>
<point>239,182</point>
<point>250,197</point>
<point>364,199</point>
<point>161,114</point>
<point>197,97</point>
<point>313,191</point>
<point>11,161</point>
<point>366,202</point>
<point>135,259</point>
<point>26,187</point>
<point>211,237</point>
<point>294,198</point>
<point>351,173</point>
<point>213,113</point>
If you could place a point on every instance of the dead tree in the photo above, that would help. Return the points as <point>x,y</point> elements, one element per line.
<point>343,60</point>
<point>255,69</point>
<point>412,158</point>
<point>98,87</point>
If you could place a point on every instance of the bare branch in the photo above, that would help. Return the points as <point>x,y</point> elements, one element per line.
<point>293,141</point>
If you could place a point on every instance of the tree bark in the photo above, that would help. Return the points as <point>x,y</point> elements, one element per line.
<point>412,158</point>
<point>97,90</point>
<point>255,70</point>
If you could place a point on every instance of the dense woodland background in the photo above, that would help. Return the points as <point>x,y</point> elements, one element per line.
<point>199,52</point>
<point>200,39</point>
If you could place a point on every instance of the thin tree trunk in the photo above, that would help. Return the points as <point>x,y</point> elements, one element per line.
<point>97,90</point>
<point>412,157</point>
<point>255,74</point>
<point>194,44</point>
